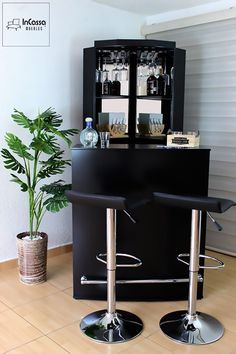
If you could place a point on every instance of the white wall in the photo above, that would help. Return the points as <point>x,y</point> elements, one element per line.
<point>37,78</point>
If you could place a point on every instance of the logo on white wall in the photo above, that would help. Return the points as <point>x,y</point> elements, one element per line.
<point>26,24</point>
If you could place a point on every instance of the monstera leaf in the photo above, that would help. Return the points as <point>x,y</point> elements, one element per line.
<point>11,163</point>
<point>22,184</point>
<point>16,145</point>
<point>57,200</point>
<point>56,203</point>
<point>21,119</point>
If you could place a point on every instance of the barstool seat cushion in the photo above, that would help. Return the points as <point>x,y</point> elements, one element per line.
<point>217,205</point>
<point>118,202</point>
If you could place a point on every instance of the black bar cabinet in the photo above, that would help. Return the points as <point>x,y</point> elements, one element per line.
<point>136,161</point>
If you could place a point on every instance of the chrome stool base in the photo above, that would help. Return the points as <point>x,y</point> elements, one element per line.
<point>197,329</point>
<point>117,327</point>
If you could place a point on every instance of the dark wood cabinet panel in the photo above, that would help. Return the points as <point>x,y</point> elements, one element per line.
<point>160,234</point>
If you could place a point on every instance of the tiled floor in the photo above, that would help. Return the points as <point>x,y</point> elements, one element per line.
<point>44,319</point>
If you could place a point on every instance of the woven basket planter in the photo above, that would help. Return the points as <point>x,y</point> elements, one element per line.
<point>32,258</point>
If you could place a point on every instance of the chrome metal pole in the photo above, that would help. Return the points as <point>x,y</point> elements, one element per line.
<point>111,260</point>
<point>194,262</point>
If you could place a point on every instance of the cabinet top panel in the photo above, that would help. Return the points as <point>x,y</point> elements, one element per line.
<point>132,147</point>
<point>134,43</point>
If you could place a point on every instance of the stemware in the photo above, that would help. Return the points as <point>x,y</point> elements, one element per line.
<point>105,71</point>
<point>123,70</point>
<point>116,71</point>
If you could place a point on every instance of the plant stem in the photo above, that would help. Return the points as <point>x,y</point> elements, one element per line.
<point>31,212</point>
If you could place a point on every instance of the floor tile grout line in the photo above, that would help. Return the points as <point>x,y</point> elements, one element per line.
<point>29,322</point>
<point>47,333</point>
<point>162,345</point>
<point>25,303</point>
<point>57,344</point>
<point>21,345</point>
<point>58,329</point>
<point>37,299</point>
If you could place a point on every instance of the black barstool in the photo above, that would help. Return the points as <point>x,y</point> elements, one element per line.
<point>111,325</point>
<point>192,327</point>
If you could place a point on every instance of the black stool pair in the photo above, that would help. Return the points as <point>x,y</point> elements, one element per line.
<point>114,326</point>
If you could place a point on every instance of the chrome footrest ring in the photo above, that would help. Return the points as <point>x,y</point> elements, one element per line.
<point>218,261</point>
<point>100,257</point>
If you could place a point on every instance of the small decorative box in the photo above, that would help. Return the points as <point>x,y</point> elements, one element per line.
<point>190,139</point>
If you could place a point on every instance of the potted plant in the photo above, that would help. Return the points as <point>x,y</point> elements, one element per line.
<point>32,165</point>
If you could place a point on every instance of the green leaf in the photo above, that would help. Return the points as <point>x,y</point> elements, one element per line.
<point>21,119</point>
<point>57,156</point>
<point>54,168</point>
<point>61,135</point>
<point>16,145</point>
<point>17,180</point>
<point>55,188</point>
<point>45,144</point>
<point>56,203</point>
<point>50,117</point>
<point>64,133</point>
<point>69,132</point>
<point>11,163</point>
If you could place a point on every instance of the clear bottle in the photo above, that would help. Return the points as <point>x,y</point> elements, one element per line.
<point>88,136</point>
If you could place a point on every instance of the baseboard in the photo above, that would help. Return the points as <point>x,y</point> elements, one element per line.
<point>53,252</point>
<point>59,250</point>
<point>218,250</point>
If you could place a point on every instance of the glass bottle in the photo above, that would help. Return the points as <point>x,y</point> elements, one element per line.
<point>142,79</point>
<point>88,136</point>
<point>124,75</point>
<point>151,82</point>
<point>106,85</point>
<point>115,86</point>
<point>167,82</point>
<point>160,82</point>
<point>99,78</point>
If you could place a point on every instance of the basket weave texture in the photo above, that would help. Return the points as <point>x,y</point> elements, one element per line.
<point>32,258</point>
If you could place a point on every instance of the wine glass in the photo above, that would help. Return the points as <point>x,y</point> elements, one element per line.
<point>116,71</point>
<point>123,71</point>
<point>105,72</point>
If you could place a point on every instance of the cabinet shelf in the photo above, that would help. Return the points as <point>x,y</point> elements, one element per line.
<point>158,98</point>
<point>110,97</point>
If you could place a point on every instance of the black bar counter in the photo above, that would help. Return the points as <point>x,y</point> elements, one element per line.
<point>160,234</point>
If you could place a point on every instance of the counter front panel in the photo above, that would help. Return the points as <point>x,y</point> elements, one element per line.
<point>160,234</point>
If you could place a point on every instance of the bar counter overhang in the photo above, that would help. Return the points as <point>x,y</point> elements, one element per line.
<point>160,234</point>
